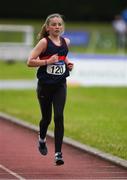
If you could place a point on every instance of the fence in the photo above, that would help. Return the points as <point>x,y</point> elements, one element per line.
<point>16,50</point>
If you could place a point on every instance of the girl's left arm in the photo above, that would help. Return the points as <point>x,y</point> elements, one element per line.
<point>70,65</point>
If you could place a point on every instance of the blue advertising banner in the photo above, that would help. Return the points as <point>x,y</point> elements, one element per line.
<point>78,37</point>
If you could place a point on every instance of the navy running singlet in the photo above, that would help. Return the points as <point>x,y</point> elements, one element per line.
<point>57,72</point>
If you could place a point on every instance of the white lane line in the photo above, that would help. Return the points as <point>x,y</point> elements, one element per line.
<point>11,172</point>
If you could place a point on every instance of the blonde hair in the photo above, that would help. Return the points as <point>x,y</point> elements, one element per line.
<point>43,33</point>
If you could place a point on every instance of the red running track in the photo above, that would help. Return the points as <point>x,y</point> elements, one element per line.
<point>20,159</point>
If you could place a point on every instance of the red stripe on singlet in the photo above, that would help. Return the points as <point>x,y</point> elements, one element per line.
<point>62,58</point>
<point>59,57</point>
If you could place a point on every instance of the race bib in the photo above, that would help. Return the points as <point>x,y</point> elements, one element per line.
<point>54,69</point>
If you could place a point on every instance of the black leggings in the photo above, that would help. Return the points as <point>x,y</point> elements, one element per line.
<point>55,95</point>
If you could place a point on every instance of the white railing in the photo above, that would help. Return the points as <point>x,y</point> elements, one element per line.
<point>17,50</point>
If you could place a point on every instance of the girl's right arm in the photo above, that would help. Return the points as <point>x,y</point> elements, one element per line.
<point>35,61</point>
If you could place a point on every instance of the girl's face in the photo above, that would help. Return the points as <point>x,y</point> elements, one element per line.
<point>55,26</point>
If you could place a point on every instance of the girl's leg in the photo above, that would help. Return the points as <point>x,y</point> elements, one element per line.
<point>45,101</point>
<point>59,99</point>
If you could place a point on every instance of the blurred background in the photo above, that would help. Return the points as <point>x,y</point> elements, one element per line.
<point>83,10</point>
<point>94,28</point>
<point>98,33</point>
<point>88,22</point>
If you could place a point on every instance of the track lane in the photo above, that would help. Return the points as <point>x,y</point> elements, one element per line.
<point>19,153</point>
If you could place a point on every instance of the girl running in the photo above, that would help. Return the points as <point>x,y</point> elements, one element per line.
<point>50,56</point>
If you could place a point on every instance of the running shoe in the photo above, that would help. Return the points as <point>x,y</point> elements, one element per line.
<point>59,159</point>
<point>43,148</point>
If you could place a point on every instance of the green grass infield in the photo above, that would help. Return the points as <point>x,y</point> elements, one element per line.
<point>93,116</point>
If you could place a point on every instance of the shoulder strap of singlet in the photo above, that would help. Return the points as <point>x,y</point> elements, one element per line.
<point>64,42</point>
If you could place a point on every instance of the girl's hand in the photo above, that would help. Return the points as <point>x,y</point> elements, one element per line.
<point>53,59</point>
<point>70,66</point>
